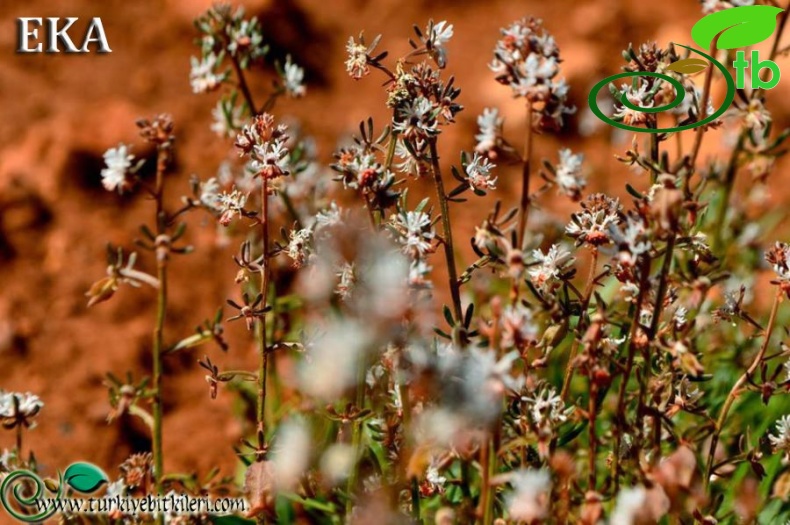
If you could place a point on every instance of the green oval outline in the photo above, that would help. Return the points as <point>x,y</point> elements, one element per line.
<point>593,102</point>
<point>19,475</point>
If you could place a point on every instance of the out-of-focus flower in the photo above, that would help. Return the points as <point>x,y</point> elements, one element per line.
<point>227,118</point>
<point>203,75</point>
<point>435,39</point>
<point>529,500</point>
<point>298,246</point>
<point>293,79</point>
<point>490,134</point>
<point>19,408</point>
<point>781,440</point>
<point>357,62</point>
<point>711,6</point>
<point>569,176</point>
<point>291,454</point>
<point>638,505</point>
<point>118,161</point>
<point>518,327</point>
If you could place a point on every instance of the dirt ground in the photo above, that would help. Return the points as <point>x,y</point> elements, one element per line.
<point>61,112</point>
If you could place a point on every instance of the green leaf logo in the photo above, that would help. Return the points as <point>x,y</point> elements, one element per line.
<point>739,26</point>
<point>688,66</point>
<point>84,477</point>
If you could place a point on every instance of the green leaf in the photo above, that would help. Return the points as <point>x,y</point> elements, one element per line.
<point>688,66</point>
<point>84,477</point>
<point>739,26</point>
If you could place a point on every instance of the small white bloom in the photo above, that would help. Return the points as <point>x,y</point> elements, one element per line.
<point>550,266</point>
<point>293,79</point>
<point>478,173</point>
<point>298,246</point>
<point>230,205</point>
<point>490,135</point>
<point>569,174</point>
<point>440,34</point>
<point>203,76</point>
<point>547,408</point>
<point>415,233</point>
<point>118,161</point>
<point>781,441</point>
<point>434,479</point>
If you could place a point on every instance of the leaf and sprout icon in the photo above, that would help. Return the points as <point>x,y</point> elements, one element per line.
<point>727,29</point>
<point>81,477</point>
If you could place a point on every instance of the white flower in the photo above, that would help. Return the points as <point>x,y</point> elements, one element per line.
<point>529,501</point>
<point>357,62</point>
<point>209,194</point>
<point>638,98</point>
<point>437,37</point>
<point>202,76</point>
<point>478,173</point>
<point>28,405</point>
<point>230,205</point>
<point>781,441</point>
<point>118,161</point>
<point>293,79</point>
<point>298,247</point>
<point>490,135</point>
<point>547,408</point>
<point>415,118</point>
<point>415,233</point>
<point>550,266</point>
<point>434,479</point>
<point>329,217</point>
<point>569,174</point>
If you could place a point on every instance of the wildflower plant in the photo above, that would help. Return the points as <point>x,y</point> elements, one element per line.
<point>602,367</point>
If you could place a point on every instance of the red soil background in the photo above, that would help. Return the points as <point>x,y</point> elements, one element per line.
<point>61,112</point>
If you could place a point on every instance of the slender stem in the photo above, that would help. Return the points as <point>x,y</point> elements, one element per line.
<point>737,387</point>
<point>566,383</point>
<point>619,423</point>
<point>729,183</point>
<point>524,205</point>
<point>356,435</point>
<point>593,412</point>
<point>19,442</point>
<point>264,290</point>
<point>415,500</point>
<point>486,465</point>
<point>449,253</point>
<point>263,358</point>
<point>245,89</point>
<point>701,111</point>
<point>161,311</point>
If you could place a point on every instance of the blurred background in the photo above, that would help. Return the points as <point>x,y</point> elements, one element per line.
<point>61,112</point>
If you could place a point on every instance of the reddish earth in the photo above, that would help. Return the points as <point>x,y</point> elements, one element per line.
<point>60,112</point>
